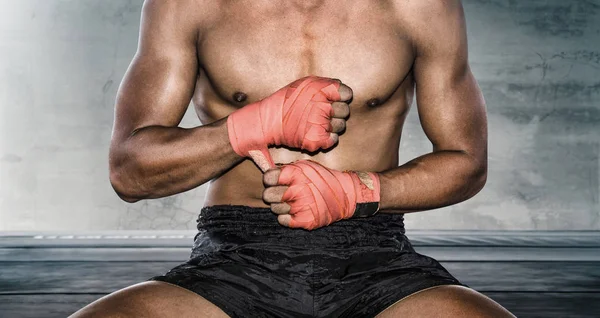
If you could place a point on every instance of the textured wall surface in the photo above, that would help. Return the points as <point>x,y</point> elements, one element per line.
<point>537,61</point>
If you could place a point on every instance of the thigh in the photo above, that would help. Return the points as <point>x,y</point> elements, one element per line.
<point>446,301</point>
<point>151,299</point>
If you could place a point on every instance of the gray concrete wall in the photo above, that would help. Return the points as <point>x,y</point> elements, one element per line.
<point>537,61</point>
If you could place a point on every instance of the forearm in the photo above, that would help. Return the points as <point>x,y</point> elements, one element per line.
<point>157,161</point>
<point>432,181</point>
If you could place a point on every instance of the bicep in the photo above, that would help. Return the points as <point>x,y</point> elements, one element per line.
<point>159,83</point>
<point>451,107</point>
<point>452,111</point>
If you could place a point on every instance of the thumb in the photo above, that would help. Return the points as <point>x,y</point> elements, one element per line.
<point>263,159</point>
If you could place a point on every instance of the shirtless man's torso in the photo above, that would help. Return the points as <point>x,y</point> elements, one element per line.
<point>270,44</point>
<point>224,55</point>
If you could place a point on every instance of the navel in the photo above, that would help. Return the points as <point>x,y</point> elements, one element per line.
<point>373,102</point>
<point>240,97</point>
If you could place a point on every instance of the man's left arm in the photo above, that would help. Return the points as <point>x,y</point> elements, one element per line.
<point>452,112</point>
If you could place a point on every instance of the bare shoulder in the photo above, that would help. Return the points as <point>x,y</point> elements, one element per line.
<point>183,6</point>
<point>432,23</point>
<point>427,8</point>
<point>426,18</point>
<point>185,14</point>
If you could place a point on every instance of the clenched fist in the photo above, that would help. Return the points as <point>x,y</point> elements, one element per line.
<point>307,114</point>
<point>308,195</point>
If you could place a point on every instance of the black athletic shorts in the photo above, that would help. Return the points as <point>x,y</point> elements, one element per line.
<point>249,265</point>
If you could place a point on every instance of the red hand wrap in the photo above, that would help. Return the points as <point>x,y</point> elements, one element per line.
<point>298,116</point>
<point>319,196</point>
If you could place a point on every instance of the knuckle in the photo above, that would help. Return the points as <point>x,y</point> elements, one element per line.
<point>270,177</point>
<point>330,126</point>
<point>312,147</point>
<point>345,110</point>
<point>280,209</point>
<point>334,125</point>
<point>266,196</point>
<point>350,90</point>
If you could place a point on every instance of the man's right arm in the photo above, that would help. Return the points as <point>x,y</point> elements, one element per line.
<point>150,157</point>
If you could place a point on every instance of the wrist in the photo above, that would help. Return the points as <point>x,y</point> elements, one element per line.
<point>367,193</point>
<point>244,130</point>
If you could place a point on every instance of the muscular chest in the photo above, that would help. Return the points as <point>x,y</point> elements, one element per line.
<point>258,47</point>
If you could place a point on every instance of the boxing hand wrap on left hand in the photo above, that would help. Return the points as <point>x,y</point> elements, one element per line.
<point>319,196</point>
<point>297,116</point>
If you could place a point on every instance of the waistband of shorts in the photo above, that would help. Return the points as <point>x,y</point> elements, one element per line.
<point>237,222</point>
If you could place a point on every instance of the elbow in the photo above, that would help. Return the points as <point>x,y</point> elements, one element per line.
<point>121,187</point>
<point>478,179</point>
<point>122,179</point>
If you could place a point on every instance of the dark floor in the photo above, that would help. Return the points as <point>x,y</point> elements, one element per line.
<point>533,274</point>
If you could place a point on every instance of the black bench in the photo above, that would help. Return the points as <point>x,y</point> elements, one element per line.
<point>533,274</point>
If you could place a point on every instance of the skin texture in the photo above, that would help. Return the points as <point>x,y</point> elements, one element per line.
<point>226,54</point>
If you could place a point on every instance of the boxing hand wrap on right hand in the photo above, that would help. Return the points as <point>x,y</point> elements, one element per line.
<point>319,196</point>
<point>297,116</point>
